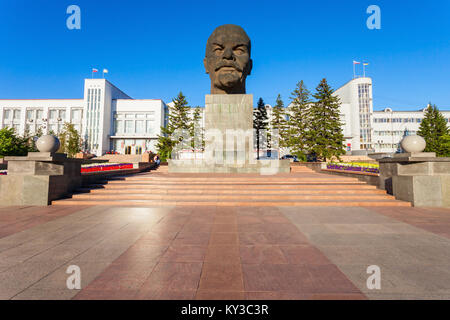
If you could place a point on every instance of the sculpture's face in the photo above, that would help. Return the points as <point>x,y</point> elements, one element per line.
<point>228,60</point>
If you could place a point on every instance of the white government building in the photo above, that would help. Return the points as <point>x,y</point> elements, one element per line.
<point>107,118</point>
<point>110,120</point>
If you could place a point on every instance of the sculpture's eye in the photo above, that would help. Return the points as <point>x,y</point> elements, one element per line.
<point>238,50</point>
<point>218,50</point>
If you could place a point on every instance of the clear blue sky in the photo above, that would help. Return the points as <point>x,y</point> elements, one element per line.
<point>154,49</point>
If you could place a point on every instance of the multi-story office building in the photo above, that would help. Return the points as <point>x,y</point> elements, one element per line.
<point>367,131</point>
<point>389,127</point>
<point>107,118</point>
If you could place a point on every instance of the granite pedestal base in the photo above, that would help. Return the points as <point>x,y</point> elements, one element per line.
<point>39,178</point>
<point>420,178</point>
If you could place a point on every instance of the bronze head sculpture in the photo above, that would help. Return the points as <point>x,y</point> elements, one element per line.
<point>227,59</point>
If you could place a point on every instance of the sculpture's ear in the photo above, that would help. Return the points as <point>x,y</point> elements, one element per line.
<point>250,66</point>
<point>205,63</point>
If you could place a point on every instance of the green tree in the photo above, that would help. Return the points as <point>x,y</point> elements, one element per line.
<point>11,144</point>
<point>260,123</point>
<point>325,127</point>
<point>278,121</point>
<point>177,128</point>
<point>196,131</point>
<point>432,128</point>
<point>297,137</point>
<point>444,142</point>
<point>70,140</point>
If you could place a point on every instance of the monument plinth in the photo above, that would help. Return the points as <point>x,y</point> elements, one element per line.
<point>39,177</point>
<point>415,176</point>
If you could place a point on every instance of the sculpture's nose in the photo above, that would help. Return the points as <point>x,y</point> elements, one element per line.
<point>228,54</point>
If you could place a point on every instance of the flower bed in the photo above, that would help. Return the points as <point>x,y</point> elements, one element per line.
<point>3,172</point>
<point>355,167</point>
<point>105,167</point>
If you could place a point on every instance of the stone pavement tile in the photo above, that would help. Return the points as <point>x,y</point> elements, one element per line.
<point>158,238</point>
<point>248,219</point>
<point>174,276</point>
<point>57,279</point>
<point>184,253</point>
<point>22,276</point>
<point>286,237</point>
<point>142,252</point>
<point>163,294</point>
<point>46,294</point>
<point>221,277</point>
<point>327,278</point>
<point>224,239</point>
<point>193,227</point>
<point>225,219</point>
<point>41,232</point>
<point>262,254</point>
<point>223,254</point>
<point>391,282</point>
<point>106,295</point>
<point>122,277</point>
<point>192,238</point>
<point>337,296</point>
<point>224,227</point>
<point>277,277</point>
<point>276,295</point>
<point>304,255</point>
<point>220,295</point>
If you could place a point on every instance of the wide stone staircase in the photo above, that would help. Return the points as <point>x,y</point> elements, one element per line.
<point>160,188</point>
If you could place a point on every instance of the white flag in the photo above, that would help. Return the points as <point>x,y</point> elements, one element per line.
<point>105,70</point>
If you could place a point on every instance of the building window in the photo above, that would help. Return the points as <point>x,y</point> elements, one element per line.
<point>7,114</point>
<point>76,114</point>
<point>149,126</point>
<point>62,115</point>
<point>39,114</point>
<point>16,115</point>
<point>129,126</point>
<point>119,126</point>
<point>53,114</point>
<point>139,126</point>
<point>30,114</point>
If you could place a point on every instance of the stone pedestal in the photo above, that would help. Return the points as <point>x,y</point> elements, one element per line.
<point>420,178</point>
<point>229,140</point>
<point>39,178</point>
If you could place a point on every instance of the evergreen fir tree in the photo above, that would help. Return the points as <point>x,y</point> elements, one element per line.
<point>177,128</point>
<point>432,128</point>
<point>260,124</point>
<point>278,122</point>
<point>325,128</point>
<point>196,130</point>
<point>444,143</point>
<point>296,136</point>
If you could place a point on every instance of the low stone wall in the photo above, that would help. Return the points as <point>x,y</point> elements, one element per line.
<point>370,178</point>
<point>315,166</point>
<point>96,177</point>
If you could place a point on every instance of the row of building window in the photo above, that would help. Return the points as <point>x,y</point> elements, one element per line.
<point>393,133</point>
<point>38,114</point>
<point>134,126</point>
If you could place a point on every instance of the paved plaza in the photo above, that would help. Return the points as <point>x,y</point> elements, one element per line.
<point>224,252</point>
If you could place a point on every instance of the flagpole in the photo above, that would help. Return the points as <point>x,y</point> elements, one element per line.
<point>354,76</point>
<point>364,69</point>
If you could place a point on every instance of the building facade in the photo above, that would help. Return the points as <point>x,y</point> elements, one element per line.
<point>106,118</point>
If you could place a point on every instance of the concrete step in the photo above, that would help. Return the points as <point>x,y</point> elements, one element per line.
<point>152,186</point>
<point>247,183</point>
<point>229,191</point>
<point>217,197</point>
<point>307,203</point>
